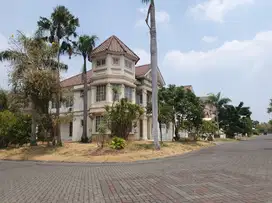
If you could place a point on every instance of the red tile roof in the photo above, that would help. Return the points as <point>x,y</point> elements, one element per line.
<point>77,79</point>
<point>142,70</point>
<point>114,44</point>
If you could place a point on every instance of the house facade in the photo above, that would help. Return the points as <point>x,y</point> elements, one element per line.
<point>209,109</point>
<point>113,65</point>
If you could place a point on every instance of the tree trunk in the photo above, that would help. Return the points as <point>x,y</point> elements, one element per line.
<point>33,141</point>
<point>160,125</point>
<point>154,72</point>
<point>84,137</point>
<point>58,133</point>
<point>218,128</point>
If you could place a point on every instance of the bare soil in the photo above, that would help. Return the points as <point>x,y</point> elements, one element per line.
<point>78,152</point>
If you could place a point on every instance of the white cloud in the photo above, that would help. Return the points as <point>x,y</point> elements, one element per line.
<point>209,39</point>
<point>162,17</point>
<point>3,66</point>
<point>247,55</point>
<point>216,10</point>
<point>144,56</point>
<point>241,69</point>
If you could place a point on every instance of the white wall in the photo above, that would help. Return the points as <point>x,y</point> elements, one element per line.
<point>64,128</point>
<point>77,128</point>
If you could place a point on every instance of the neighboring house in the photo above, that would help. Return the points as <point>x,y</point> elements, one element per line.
<point>209,110</point>
<point>113,65</point>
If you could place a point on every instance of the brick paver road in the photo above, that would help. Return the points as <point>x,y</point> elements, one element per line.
<point>238,172</point>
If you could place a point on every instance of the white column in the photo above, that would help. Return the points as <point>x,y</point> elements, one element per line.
<point>145,128</point>
<point>133,95</point>
<point>108,93</point>
<point>93,96</point>
<point>144,93</point>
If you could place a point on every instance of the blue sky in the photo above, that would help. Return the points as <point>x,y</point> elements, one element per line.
<point>214,45</point>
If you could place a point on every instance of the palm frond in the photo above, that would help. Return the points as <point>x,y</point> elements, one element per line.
<point>10,55</point>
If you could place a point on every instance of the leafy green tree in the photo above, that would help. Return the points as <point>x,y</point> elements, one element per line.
<point>122,117</point>
<point>32,62</point>
<point>235,119</point>
<point>59,30</point>
<point>218,102</point>
<point>194,112</point>
<point>174,96</point>
<point>255,124</point>
<point>187,109</point>
<point>154,68</point>
<point>84,47</point>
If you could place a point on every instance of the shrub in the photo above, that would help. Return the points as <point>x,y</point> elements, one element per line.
<point>118,143</point>
<point>14,128</point>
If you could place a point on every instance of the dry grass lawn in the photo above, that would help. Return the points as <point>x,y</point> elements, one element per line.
<point>77,152</point>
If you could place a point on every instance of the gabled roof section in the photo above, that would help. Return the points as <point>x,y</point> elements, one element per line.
<point>188,87</point>
<point>114,44</point>
<point>144,70</point>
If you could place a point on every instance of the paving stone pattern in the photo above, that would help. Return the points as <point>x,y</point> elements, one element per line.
<point>239,172</point>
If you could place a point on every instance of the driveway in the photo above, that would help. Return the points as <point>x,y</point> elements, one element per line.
<point>239,172</point>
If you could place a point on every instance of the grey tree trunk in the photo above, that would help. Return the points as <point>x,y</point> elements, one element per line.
<point>33,141</point>
<point>154,72</point>
<point>84,137</point>
<point>58,133</point>
<point>160,125</point>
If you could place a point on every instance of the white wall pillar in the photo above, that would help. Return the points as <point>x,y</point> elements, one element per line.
<point>108,93</point>
<point>93,94</point>
<point>144,95</point>
<point>133,95</point>
<point>145,128</point>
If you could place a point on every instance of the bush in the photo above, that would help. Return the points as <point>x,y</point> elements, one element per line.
<point>14,129</point>
<point>255,132</point>
<point>118,143</point>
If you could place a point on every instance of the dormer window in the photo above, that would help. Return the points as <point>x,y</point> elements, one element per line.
<point>115,61</point>
<point>128,64</point>
<point>100,62</point>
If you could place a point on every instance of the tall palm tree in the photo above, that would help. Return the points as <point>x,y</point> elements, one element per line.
<point>58,30</point>
<point>84,47</point>
<point>28,57</point>
<point>154,64</point>
<point>217,101</point>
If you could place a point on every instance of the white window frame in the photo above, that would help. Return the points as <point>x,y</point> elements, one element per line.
<point>128,64</point>
<point>69,102</point>
<point>101,92</point>
<point>101,62</point>
<point>116,61</point>
<point>128,93</point>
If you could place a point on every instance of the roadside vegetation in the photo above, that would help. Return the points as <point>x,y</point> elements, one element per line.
<point>25,120</point>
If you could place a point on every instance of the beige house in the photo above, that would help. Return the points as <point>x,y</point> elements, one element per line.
<point>209,110</point>
<point>113,64</point>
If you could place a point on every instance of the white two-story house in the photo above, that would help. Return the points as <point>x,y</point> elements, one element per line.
<point>113,64</point>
